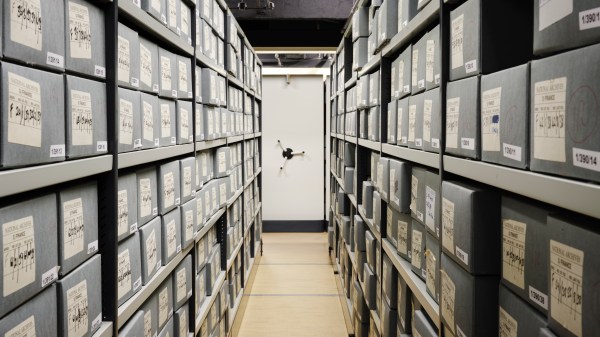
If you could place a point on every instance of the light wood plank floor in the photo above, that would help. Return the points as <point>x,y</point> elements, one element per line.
<point>294,293</point>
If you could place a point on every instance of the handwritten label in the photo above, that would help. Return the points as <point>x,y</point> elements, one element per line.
<point>165,73</point>
<point>429,60</point>
<point>123,59</point>
<point>82,124</point>
<point>145,65</point>
<point>122,212</point>
<point>77,310</point>
<point>18,254</point>
<point>452,118</point>
<point>183,76</point>
<point>417,252</point>
<point>448,224</point>
<point>171,238</point>
<point>165,120</point>
<point>26,23</point>
<point>24,111</point>
<point>412,122</point>
<point>430,196</point>
<point>80,34</point>
<point>145,190</point>
<point>125,122</point>
<point>513,252</point>
<point>24,329</point>
<point>181,284</point>
<point>508,326</point>
<point>73,227</point>
<point>123,274</point>
<point>184,123</point>
<point>490,119</point>
<point>189,224</point>
<point>151,253</point>
<point>427,109</point>
<point>566,284</point>
<point>163,306</point>
<point>148,323</point>
<point>456,42</point>
<point>168,190</point>
<point>148,121</point>
<point>415,67</point>
<point>430,266</point>
<point>550,116</point>
<point>448,290</point>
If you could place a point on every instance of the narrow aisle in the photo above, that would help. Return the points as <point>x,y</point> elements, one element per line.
<point>294,292</point>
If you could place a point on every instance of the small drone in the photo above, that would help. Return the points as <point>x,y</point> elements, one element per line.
<point>287,153</point>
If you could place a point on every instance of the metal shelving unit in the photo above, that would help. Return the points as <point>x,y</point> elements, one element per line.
<point>208,302</point>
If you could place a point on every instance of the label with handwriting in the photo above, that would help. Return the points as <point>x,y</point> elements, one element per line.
<point>184,123</point>
<point>448,290</point>
<point>214,199</point>
<point>148,122</point>
<point>430,196</point>
<point>125,122</point>
<point>183,76</point>
<point>181,284</point>
<point>566,286</point>
<point>145,197</point>
<point>123,274</point>
<point>73,227</point>
<point>456,42</point>
<point>427,109</point>
<point>24,111</point>
<point>399,135</point>
<point>148,323</point>
<point>168,190</point>
<point>414,193</point>
<point>26,23</point>
<point>165,73</point>
<point>185,18</point>
<point>82,124</point>
<point>415,67</point>
<point>448,224</point>
<point>187,181</point>
<point>165,121</point>
<point>412,122</point>
<point>171,238</point>
<point>23,329</point>
<point>123,59</point>
<point>490,119</point>
<point>513,252</point>
<point>199,211</point>
<point>452,118</point>
<point>145,65</point>
<point>417,253</point>
<point>77,310</point>
<point>549,119</point>
<point>172,8</point>
<point>508,326</point>
<point>151,253</point>
<point>18,245</point>
<point>163,306</point>
<point>429,60</point>
<point>80,33</point>
<point>122,212</point>
<point>189,224</point>
<point>430,263</point>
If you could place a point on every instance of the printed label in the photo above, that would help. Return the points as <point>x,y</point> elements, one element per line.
<point>566,284</point>
<point>430,208</point>
<point>586,159</point>
<point>163,306</point>
<point>437,79</point>
<point>513,252</point>
<point>552,11</point>
<point>415,67</point>
<point>145,197</point>
<point>417,239</point>
<point>137,284</point>
<point>97,322</point>
<point>448,290</point>
<point>123,59</point>
<point>429,60</point>
<point>148,122</point>
<point>181,285</point>
<point>538,297</point>
<point>407,89</point>
<point>99,71</point>
<point>101,146</point>
<point>471,66</point>
<point>589,19</point>
<point>427,108</point>
<point>456,42</point>
<point>73,227</point>
<point>123,274</point>
<point>168,190</point>
<point>435,143</point>
<point>145,65</point>
<point>419,142</point>
<point>171,238</point>
<point>452,118</point>
<point>50,276</point>
<point>508,325</point>
<point>23,329</point>
<point>78,311</point>
<point>18,245</point>
<point>550,117</point>
<point>490,119</point>
<point>92,247</point>
<point>57,150</point>
<point>151,253</point>
<point>184,125</point>
<point>55,60</point>
<point>183,77</point>
<point>80,34</point>
<point>511,151</point>
<point>155,5</point>
<point>81,118</point>
<point>430,260</point>
<point>412,121</point>
<point>125,122</point>
<point>448,224</point>
<point>462,255</point>
<point>467,143</point>
<point>165,73</point>
<point>24,111</point>
<point>400,76</point>
<point>165,121</point>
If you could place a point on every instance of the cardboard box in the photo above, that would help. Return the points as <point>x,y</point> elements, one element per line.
<point>129,268</point>
<point>388,23</point>
<point>432,120</point>
<point>150,310</point>
<point>360,23</point>
<point>174,16</point>
<point>471,227</point>
<point>417,193</point>
<point>420,5</point>
<point>39,136</point>
<point>359,233</point>
<point>127,205</point>
<point>36,316</point>
<point>525,250</point>
<point>418,239</point>
<point>404,306</point>
<point>24,38</point>
<point>358,301</point>
<point>165,306</point>
<point>185,122</point>
<point>168,122</point>
<point>128,53</point>
<point>209,122</point>
<point>182,282</point>
<point>210,87</point>
<point>222,90</point>
<point>469,303</point>
<point>504,117</point>
<point>407,9</point>
<point>370,248</point>
<point>392,122</point>
<point>390,283</point>
<point>135,326</point>
<point>130,121</point>
<point>150,120</point>
<point>389,318</point>
<point>169,78</point>
<point>463,121</point>
<point>222,164</point>
<point>184,78</point>
<point>151,249</point>
<point>432,258</point>
<point>418,63</point>
<point>433,59</point>
<point>147,199</point>
<point>433,197</point>
<point>516,317</point>
<point>568,148</point>
<point>187,175</point>
<point>362,92</point>
<point>475,37</point>
<point>213,269</point>
<point>169,187</point>
<point>78,229</point>
<point>422,326</point>
<point>359,53</point>
<point>199,123</point>
<point>84,45</point>
<point>185,22</point>
<point>403,78</point>
<point>401,122</point>
<point>378,211</point>
<point>171,235</point>
<point>80,300</point>
<point>415,122</point>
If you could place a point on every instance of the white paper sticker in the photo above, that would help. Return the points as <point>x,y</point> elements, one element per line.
<point>513,252</point>
<point>156,6</point>
<point>471,66</point>
<point>101,146</point>
<point>155,211</point>
<point>50,276</point>
<point>92,247</point>
<point>145,191</point>
<point>168,190</point>
<point>148,121</point>
<point>448,291</point>
<point>550,118</point>
<point>165,73</point>
<point>24,329</point>
<point>26,23</point>
<point>552,11</point>
<point>414,193</point>
<point>123,274</point>
<point>123,59</point>
<point>589,19</point>
<point>417,239</point>
<point>181,285</point>
<point>187,180</point>
<point>18,244</point>
<point>430,196</point>
<point>163,306</point>
<point>467,143</point>
<point>125,122</point>
<point>511,151</point>
<point>452,118</point>
<point>123,212</point>
<point>137,284</point>
<point>80,34</point>
<point>456,42</point>
<point>430,264</point>
<point>73,227</point>
<point>145,65</point>
<point>490,119</point>
<point>508,326</point>
<point>135,82</point>
<point>437,79</point>
<point>429,60</point>
<point>427,108</point>
<point>189,224</point>
<point>77,310</point>
<point>586,159</point>
<point>81,118</point>
<point>184,123</point>
<point>138,3</point>
<point>412,122</point>
<point>566,284</point>
<point>151,253</point>
<point>462,255</point>
<point>419,142</point>
<point>448,224</point>
<point>148,323</point>
<point>171,238</point>
<point>97,322</point>
<point>415,67</point>
<point>183,77</point>
<point>172,8</point>
<point>435,143</point>
<point>25,111</point>
<point>99,71</point>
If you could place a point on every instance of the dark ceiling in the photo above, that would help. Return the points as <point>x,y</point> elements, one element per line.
<point>293,23</point>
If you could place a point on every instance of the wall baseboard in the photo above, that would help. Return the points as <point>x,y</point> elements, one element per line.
<point>294,226</point>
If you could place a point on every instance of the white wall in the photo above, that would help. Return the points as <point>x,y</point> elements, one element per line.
<point>293,113</point>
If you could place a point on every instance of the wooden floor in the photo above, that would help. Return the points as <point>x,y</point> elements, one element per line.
<point>294,292</point>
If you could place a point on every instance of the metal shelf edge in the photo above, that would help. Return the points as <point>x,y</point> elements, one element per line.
<point>134,158</point>
<point>414,27</point>
<point>208,225</point>
<point>209,144</point>
<point>369,222</point>
<point>208,301</point>
<point>234,197</point>
<point>235,139</point>
<point>205,61</point>
<point>105,330</point>
<point>233,311</point>
<point>371,65</point>
<point>430,159</point>
<point>375,146</point>
<point>234,254</point>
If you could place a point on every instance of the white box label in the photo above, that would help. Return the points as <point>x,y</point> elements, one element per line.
<point>415,67</point>
<point>125,122</point>
<point>82,122</point>
<point>552,11</point>
<point>412,122</point>
<point>456,42</point>
<point>163,306</point>
<point>417,239</point>
<point>513,252</point>
<point>467,143</point>
<point>550,117</point>
<point>99,71</point>
<point>452,118</point>
<point>490,119</point>
<point>538,297</point>
<point>123,59</point>
<point>123,212</point>
<point>435,143</point>
<point>55,60</point>
<point>50,276</point>
<point>165,121</point>
<point>566,267</point>
<point>23,329</point>
<point>101,146</point>
<point>511,151</point>
<point>165,73</point>
<point>589,19</point>
<point>462,255</point>
<point>448,224</point>
<point>430,262</point>
<point>77,310</point>
<point>145,65</point>
<point>148,121</point>
<point>448,290</point>
<point>586,159</point>
<point>57,150</point>
<point>24,111</point>
<point>471,66</point>
<point>427,108</point>
<point>171,238</point>
<point>151,253</point>
<point>80,34</point>
<point>168,190</point>
<point>181,284</point>
<point>92,247</point>
<point>419,142</point>
<point>18,254</point>
<point>73,227</point>
<point>26,23</point>
<point>96,322</point>
<point>137,284</point>
<point>123,274</point>
<point>145,197</point>
<point>508,325</point>
<point>430,196</point>
<point>429,60</point>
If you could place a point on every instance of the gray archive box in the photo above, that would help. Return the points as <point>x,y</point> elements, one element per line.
<point>565,26</point>
<point>418,239</point>
<point>185,23</point>
<point>184,78</point>
<point>360,329</point>
<point>130,121</point>
<point>544,332</point>
<point>468,303</point>
<point>187,176</point>
<point>78,225</point>
<point>151,118</point>
<point>200,293</point>
<point>432,120</point>
<point>151,248</point>
<point>433,59</point>
<point>171,235</point>
<point>388,22</point>
<point>80,300</point>
<point>362,92</point>
<point>188,222</point>
<point>404,235</point>
<point>432,258</point>
<point>402,76</point>
<point>415,122</point>
<point>367,198</point>
<point>422,327</point>
<point>504,110</point>
<point>404,307</point>
<point>135,326</point>
<point>573,275</point>
<point>471,227</point>
<point>525,250</point>
<point>463,120</point>
<point>358,301</point>
<point>563,87</point>
<point>417,73</point>
<point>373,130</point>
<point>156,8</point>
<point>210,87</point>
<point>147,195</point>
<point>370,247</point>
<point>222,90</point>
<point>417,193</point>
<point>363,121</point>
<point>128,54</point>
<point>129,268</point>
<point>173,16</point>
<point>86,117</point>
<point>25,39</point>
<point>349,180</point>
<point>349,154</point>
<point>182,282</point>
<point>407,9</point>
<point>198,83</point>
<point>84,45</point>
<point>389,318</point>
<point>359,233</point>
<point>222,162</point>
<point>199,123</point>
<point>370,280</point>
<point>167,63</point>
<point>378,211</point>
<point>127,205</point>
<point>392,122</point>
<point>360,23</point>
<point>164,295</point>
<point>168,122</point>
<point>383,177</point>
<point>374,95</point>
<point>185,122</point>
<point>180,320</point>
<point>37,316</point>
<point>402,122</point>
<point>476,37</point>
<point>201,253</point>
<point>29,246</point>
<point>389,283</point>
<point>149,65</point>
<point>27,140</point>
<point>359,53</point>
<point>516,317</point>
